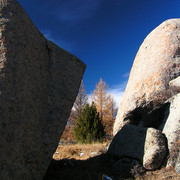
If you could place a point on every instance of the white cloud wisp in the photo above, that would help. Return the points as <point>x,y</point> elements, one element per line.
<point>73,11</point>
<point>117,92</point>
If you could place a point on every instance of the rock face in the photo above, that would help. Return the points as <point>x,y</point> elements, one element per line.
<point>38,85</point>
<point>152,102</point>
<point>144,144</point>
<point>172,123</point>
<point>156,63</point>
<point>149,145</point>
<point>154,149</point>
<point>175,85</point>
<point>172,131</point>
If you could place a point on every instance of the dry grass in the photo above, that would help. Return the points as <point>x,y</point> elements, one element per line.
<point>78,162</point>
<point>90,162</point>
<point>79,151</point>
<point>163,174</point>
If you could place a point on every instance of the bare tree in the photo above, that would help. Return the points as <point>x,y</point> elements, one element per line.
<point>81,101</point>
<point>79,104</point>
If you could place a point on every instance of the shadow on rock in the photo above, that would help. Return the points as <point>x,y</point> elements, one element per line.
<point>96,168</point>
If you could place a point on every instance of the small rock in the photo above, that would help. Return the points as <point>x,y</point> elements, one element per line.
<point>81,154</point>
<point>94,153</point>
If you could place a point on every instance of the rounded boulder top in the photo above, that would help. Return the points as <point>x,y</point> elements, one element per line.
<point>156,64</point>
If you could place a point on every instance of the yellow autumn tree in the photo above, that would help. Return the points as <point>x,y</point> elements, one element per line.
<point>105,106</point>
<point>99,97</point>
<point>110,115</point>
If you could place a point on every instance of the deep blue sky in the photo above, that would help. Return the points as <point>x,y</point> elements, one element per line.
<point>104,34</point>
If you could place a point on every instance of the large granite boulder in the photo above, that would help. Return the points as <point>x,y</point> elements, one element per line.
<point>38,84</point>
<point>157,62</point>
<point>171,129</point>
<point>147,145</point>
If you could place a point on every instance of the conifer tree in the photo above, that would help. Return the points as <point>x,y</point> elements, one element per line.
<point>78,106</point>
<point>89,127</point>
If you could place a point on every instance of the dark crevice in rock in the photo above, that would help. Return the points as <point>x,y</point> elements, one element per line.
<point>165,114</point>
<point>147,116</point>
<point>164,162</point>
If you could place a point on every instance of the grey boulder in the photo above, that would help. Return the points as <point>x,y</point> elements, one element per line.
<point>171,129</point>
<point>155,149</point>
<point>38,85</point>
<point>147,145</point>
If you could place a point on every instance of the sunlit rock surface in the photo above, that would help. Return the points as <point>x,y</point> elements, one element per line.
<point>157,62</point>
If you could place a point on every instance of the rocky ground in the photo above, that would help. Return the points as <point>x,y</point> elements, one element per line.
<point>163,174</point>
<point>90,162</point>
<point>78,162</point>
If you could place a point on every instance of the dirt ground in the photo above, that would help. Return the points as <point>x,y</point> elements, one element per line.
<point>90,162</point>
<point>80,151</point>
<point>163,174</point>
<point>76,162</point>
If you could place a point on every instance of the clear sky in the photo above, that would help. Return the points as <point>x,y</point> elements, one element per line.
<point>104,34</point>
